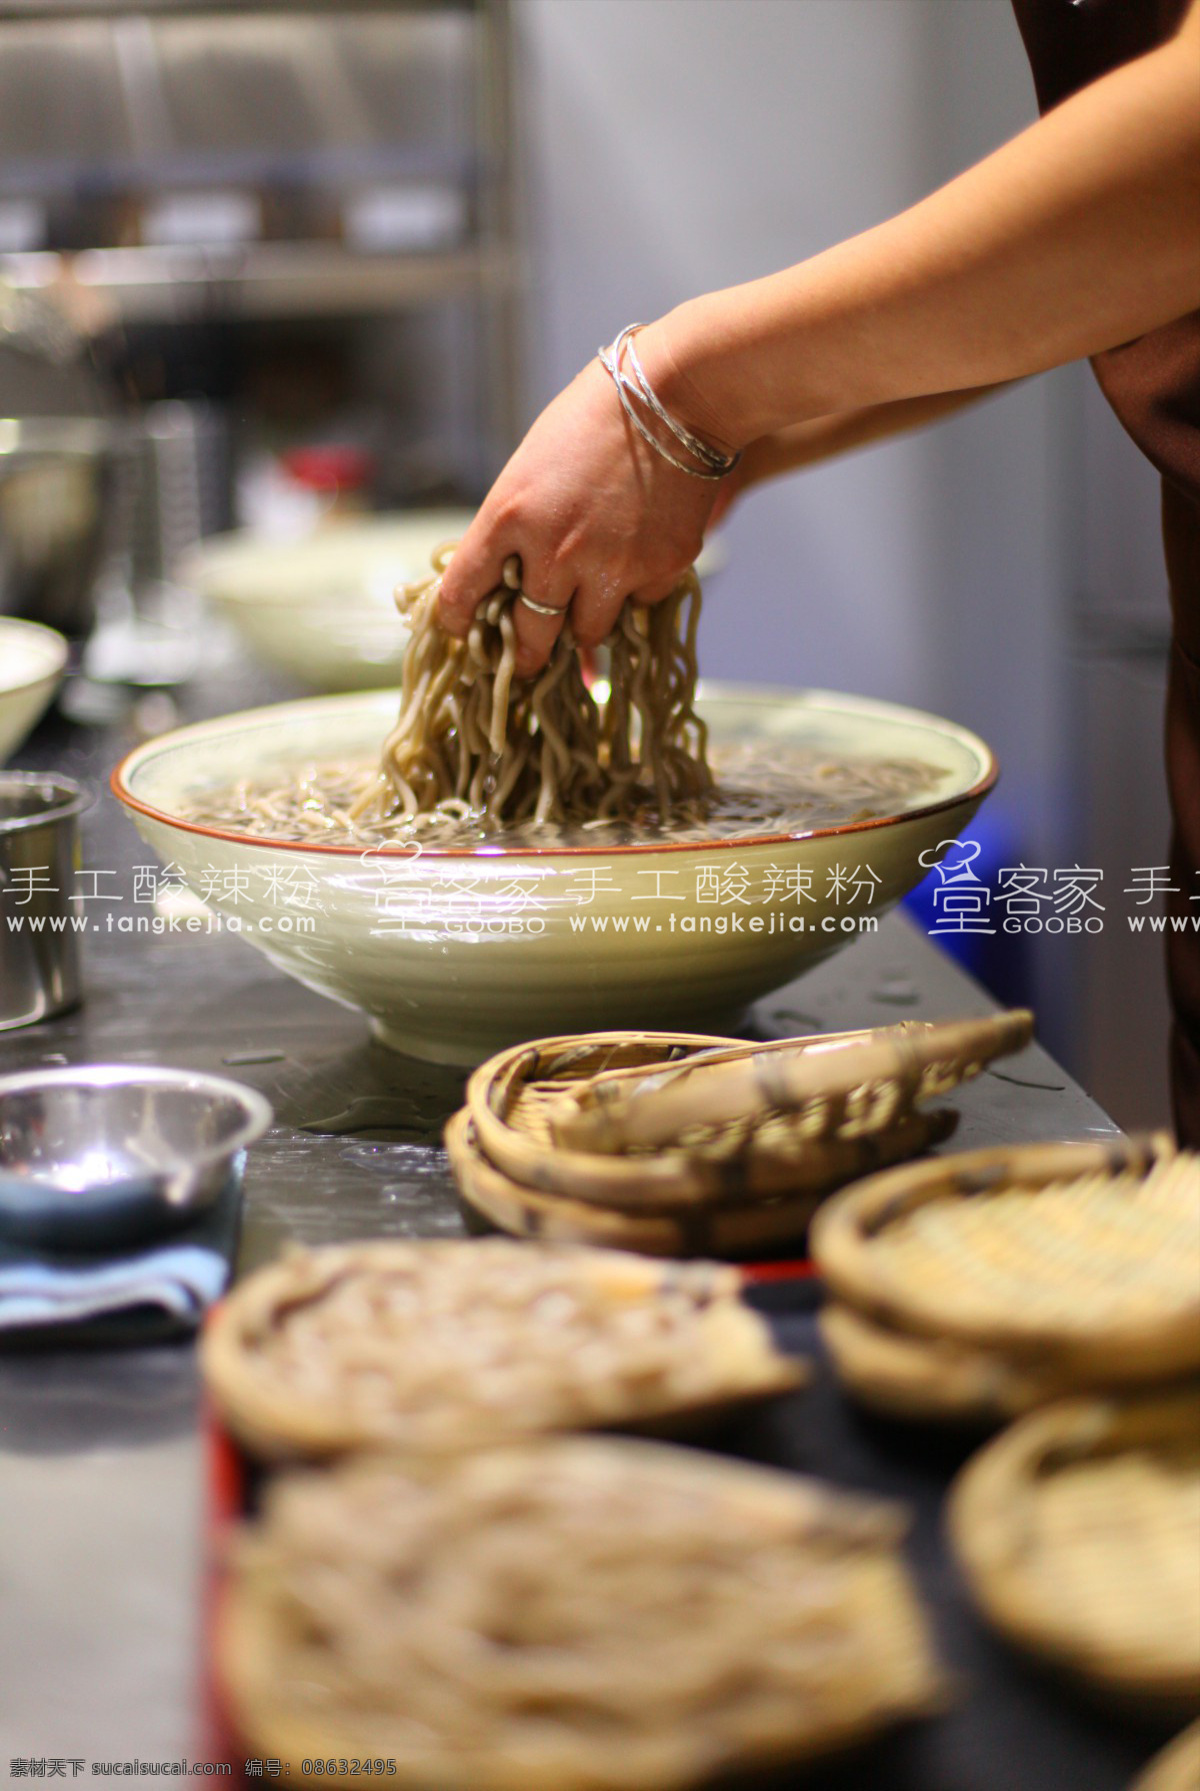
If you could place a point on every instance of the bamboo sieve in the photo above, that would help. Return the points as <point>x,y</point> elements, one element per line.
<point>570,1615</point>
<point>518,1099</point>
<point>840,1084</point>
<point>934,1380</point>
<point>1077,1532</point>
<point>736,1229</point>
<point>430,1347</point>
<point>1081,1258</point>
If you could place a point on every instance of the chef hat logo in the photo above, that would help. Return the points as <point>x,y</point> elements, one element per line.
<point>952,869</point>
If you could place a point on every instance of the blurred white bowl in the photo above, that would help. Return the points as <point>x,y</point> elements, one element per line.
<point>453,955</point>
<point>320,608</point>
<point>32,660</point>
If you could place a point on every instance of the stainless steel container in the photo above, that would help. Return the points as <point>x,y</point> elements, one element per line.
<point>60,506</point>
<point>96,1155</point>
<point>182,488</point>
<point>41,913</point>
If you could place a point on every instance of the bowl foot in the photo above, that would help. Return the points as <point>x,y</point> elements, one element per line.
<point>466,1052</point>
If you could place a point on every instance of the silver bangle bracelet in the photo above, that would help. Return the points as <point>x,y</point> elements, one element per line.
<point>709,456</point>
<point>713,464</point>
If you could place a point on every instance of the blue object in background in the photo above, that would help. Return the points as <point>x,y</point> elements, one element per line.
<point>1000,960</point>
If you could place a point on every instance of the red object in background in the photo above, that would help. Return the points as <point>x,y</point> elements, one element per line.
<point>332,468</point>
<point>225,1503</point>
<point>778,1271</point>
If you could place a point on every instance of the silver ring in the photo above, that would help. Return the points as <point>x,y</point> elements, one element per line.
<point>539,609</point>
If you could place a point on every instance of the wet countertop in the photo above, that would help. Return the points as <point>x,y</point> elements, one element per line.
<point>102,1452</point>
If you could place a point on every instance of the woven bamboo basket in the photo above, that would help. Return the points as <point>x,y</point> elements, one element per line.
<point>842,1091</point>
<point>836,1085</point>
<point>934,1380</point>
<point>1082,1260</point>
<point>431,1347</point>
<point>736,1230</point>
<point>1177,1768</point>
<point>677,1617</point>
<point>1077,1532</point>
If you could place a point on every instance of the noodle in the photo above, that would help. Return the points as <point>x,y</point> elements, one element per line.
<point>441,1345</point>
<point>600,1613</point>
<point>476,750</point>
<point>472,739</point>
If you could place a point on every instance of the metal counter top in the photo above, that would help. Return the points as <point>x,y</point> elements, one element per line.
<point>101,1455</point>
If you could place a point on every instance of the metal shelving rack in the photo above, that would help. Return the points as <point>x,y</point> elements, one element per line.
<point>250,129</point>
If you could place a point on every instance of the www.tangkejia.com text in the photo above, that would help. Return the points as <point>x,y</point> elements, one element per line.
<point>530,924</point>
<point>160,923</point>
<point>725,923</point>
<point>533,925</point>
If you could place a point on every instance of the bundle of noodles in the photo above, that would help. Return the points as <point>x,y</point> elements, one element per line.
<point>473,740</point>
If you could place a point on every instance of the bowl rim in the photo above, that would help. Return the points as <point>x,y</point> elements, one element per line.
<point>257,1113</point>
<point>716,688</point>
<point>57,642</point>
<point>69,799</point>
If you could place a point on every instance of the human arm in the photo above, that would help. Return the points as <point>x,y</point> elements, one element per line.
<point>1077,235</point>
<point>826,438</point>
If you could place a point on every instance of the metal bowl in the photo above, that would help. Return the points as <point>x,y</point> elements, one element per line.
<point>101,1153</point>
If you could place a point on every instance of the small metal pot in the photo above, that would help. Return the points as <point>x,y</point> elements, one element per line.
<point>59,510</point>
<point>41,913</point>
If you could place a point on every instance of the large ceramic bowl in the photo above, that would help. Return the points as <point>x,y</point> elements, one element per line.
<point>321,608</point>
<point>452,955</point>
<point>32,659</point>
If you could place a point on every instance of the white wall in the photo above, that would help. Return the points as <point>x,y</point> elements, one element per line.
<point>679,145</point>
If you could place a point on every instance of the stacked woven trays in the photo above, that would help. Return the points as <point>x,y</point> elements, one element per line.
<point>680,1144</point>
<point>458,1583</point>
<point>1078,1534</point>
<point>1061,1282</point>
<point>978,1286</point>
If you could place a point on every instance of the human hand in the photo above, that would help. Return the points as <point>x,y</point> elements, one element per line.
<point>594,514</point>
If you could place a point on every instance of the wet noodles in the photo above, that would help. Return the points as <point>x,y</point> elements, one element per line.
<point>476,750</point>
<point>473,740</point>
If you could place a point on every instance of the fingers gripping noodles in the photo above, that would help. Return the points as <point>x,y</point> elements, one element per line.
<point>478,753</point>
<point>473,739</point>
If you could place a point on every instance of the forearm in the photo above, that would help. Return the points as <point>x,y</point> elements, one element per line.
<point>1079,234</point>
<point>825,438</point>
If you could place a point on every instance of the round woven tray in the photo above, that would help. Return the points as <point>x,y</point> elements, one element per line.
<point>932,1379</point>
<point>569,1615</point>
<point>1177,1768</point>
<point>831,1085</point>
<point>1082,1258</point>
<point>735,1230</point>
<point>1077,1530</point>
<point>834,1091</point>
<point>430,1347</point>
